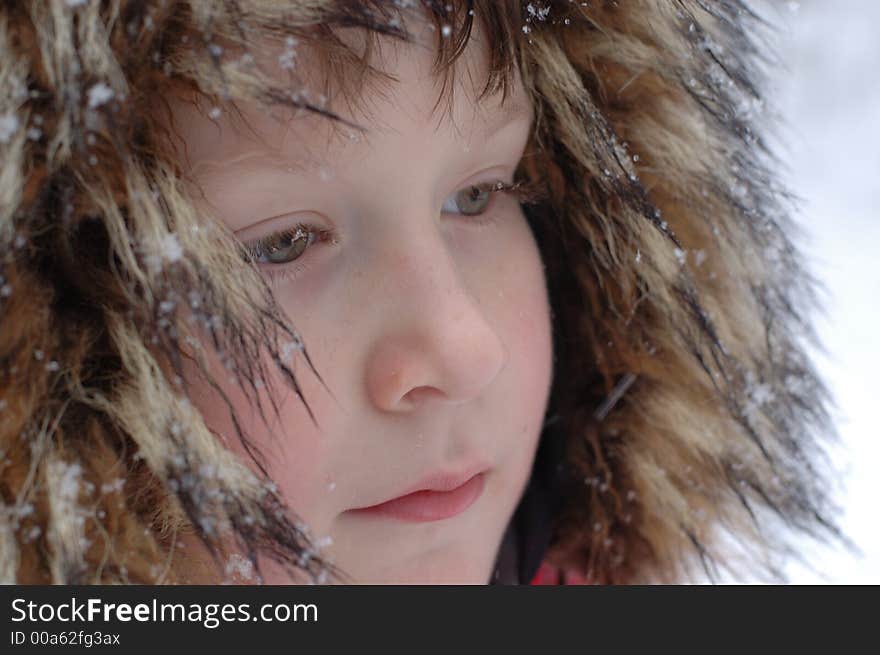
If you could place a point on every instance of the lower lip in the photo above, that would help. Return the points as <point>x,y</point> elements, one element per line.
<point>424,506</point>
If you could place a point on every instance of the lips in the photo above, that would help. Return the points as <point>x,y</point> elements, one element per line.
<point>436,498</point>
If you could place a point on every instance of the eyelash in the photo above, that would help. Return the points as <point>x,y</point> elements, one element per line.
<point>524,191</point>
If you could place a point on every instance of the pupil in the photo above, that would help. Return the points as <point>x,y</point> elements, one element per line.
<point>287,248</point>
<point>473,198</point>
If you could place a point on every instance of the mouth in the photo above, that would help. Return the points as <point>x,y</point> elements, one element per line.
<point>445,496</point>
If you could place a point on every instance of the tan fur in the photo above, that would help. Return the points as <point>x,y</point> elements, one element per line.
<point>668,250</point>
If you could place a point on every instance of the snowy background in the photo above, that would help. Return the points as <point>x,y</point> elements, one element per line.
<point>828,93</point>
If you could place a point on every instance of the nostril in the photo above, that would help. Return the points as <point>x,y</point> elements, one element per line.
<point>421,395</point>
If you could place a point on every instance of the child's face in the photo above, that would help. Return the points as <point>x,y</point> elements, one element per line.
<point>430,326</point>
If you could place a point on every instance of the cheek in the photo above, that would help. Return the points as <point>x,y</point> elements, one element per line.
<point>531,328</point>
<point>291,445</point>
<point>532,337</point>
<point>516,291</point>
<point>513,292</point>
<point>297,454</point>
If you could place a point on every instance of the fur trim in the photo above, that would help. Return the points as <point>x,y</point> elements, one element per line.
<point>695,421</point>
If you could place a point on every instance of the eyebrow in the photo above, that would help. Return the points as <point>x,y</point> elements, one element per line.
<point>501,118</point>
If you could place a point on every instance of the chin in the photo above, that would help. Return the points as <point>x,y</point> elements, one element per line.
<point>446,567</point>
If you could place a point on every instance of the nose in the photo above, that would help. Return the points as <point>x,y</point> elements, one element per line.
<point>436,343</point>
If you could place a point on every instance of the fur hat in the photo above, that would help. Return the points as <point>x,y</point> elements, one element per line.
<point>686,426</point>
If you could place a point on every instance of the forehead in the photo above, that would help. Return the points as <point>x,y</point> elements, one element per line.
<point>409,98</point>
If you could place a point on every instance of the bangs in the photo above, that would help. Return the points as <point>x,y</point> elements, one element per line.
<point>339,51</point>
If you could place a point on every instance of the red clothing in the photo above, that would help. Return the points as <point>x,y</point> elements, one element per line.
<point>550,575</point>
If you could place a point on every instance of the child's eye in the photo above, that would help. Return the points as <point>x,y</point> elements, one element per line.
<point>476,199</point>
<point>283,247</point>
<point>470,201</point>
<point>288,245</point>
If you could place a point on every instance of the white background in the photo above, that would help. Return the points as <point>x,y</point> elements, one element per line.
<point>828,93</point>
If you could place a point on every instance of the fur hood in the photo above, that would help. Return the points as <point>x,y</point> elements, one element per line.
<point>686,428</point>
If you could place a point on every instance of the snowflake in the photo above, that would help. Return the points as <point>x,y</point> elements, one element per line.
<point>291,347</point>
<point>8,126</point>
<point>681,256</point>
<point>240,566</point>
<point>762,394</point>
<point>99,94</point>
<point>170,247</point>
<point>287,57</point>
<point>537,12</point>
<point>113,487</point>
<point>68,487</point>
